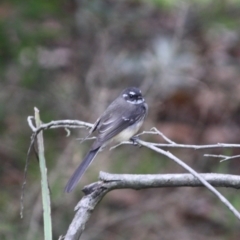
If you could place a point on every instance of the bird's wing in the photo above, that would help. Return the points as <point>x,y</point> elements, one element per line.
<point>112,125</point>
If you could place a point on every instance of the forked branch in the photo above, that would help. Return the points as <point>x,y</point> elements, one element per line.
<point>96,191</point>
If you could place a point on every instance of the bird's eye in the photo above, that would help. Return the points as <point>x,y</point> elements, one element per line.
<point>132,96</point>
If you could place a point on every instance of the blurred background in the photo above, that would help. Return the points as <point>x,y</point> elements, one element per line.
<point>71,59</point>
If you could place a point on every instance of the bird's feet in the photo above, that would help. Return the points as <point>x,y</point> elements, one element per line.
<point>134,141</point>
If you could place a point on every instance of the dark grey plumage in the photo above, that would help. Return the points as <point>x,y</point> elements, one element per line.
<point>121,120</point>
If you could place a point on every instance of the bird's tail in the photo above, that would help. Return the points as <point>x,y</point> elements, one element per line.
<point>80,170</point>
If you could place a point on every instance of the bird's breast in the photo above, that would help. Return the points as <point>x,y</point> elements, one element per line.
<point>127,133</point>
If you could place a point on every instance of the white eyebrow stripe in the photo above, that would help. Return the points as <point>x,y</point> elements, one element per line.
<point>133,93</point>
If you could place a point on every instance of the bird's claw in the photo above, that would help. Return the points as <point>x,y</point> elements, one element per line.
<point>134,141</point>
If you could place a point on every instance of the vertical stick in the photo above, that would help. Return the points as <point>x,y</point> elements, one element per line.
<point>44,183</point>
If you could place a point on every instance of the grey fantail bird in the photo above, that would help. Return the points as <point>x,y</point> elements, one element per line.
<point>120,121</point>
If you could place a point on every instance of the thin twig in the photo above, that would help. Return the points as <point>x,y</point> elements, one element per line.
<point>229,158</point>
<point>215,156</point>
<point>68,132</point>
<point>186,146</point>
<point>224,157</point>
<point>36,130</point>
<point>33,137</point>
<point>196,147</point>
<point>119,144</point>
<point>194,173</point>
<point>30,123</point>
<point>60,124</point>
<point>163,136</point>
<point>172,144</point>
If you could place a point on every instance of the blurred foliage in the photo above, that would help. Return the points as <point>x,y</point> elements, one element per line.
<point>173,3</point>
<point>19,26</point>
<point>70,59</point>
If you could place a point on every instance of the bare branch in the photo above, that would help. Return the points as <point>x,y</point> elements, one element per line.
<point>224,157</point>
<point>229,158</point>
<point>119,144</point>
<point>33,137</point>
<point>172,144</point>
<point>196,147</point>
<point>94,194</point>
<point>96,191</point>
<point>30,123</point>
<point>53,124</point>
<point>162,135</point>
<point>141,181</point>
<point>64,124</point>
<point>68,132</point>
<point>194,173</point>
